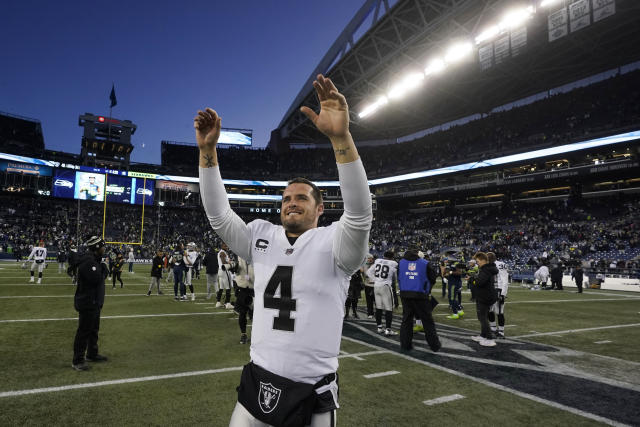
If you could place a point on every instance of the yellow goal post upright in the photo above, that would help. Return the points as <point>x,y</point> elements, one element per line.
<point>104,213</point>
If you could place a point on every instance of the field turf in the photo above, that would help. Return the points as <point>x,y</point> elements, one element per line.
<point>569,359</point>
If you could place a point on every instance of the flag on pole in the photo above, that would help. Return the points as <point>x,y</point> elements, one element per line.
<point>112,97</point>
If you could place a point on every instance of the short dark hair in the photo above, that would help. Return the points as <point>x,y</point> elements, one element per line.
<point>491,257</point>
<point>481,256</point>
<point>315,191</point>
<point>388,254</point>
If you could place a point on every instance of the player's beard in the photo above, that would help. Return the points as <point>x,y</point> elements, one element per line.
<point>297,225</point>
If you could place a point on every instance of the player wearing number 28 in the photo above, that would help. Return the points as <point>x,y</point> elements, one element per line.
<point>301,271</point>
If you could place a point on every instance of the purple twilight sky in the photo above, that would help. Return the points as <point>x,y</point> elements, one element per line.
<point>247,59</point>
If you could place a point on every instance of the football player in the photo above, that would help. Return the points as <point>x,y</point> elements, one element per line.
<point>39,256</point>
<point>384,272</point>
<point>225,278</point>
<point>502,285</point>
<point>190,256</point>
<point>301,274</point>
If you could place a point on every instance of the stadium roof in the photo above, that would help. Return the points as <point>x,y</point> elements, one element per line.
<point>413,31</point>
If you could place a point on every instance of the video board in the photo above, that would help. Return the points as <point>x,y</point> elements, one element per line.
<point>89,186</point>
<point>64,182</point>
<point>121,189</point>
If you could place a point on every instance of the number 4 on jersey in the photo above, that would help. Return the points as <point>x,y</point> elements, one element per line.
<point>284,304</point>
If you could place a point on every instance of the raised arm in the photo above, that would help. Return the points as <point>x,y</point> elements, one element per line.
<point>226,223</point>
<point>351,241</point>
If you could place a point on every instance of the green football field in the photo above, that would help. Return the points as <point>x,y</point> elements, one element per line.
<point>568,359</point>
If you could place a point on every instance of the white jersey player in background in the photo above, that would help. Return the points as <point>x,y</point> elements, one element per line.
<point>302,273</point>
<point>384,273</point>
<point>502,286</point>
<point>190,256</point>
<point>225,277</point>
<point>39,256</point>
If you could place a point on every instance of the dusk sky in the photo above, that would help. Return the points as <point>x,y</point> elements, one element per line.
<point>247,59</point>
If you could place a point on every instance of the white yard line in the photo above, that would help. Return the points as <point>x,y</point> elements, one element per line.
<point>115,382</point>
<point>131,316</point>
<point>570,331</point>
<point>381,374</point>
<point>69,296</point>
<point>571,300</point>
<point>443,399</point>
<point>603,342</point>
<point>498,386</point>
<point>148,378</point>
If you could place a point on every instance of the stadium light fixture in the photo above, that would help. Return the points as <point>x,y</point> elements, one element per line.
<point>547,3</point>
<point>435,66</point>
<point>488,34</point>
<point>457,52</point>
<point>370,109</point>
<point>515,18</point>
<point>409,82</point>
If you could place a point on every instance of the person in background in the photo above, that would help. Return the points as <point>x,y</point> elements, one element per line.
<point>356,283</point>
<point>210,262</point>
<point>556,277</point>
<point>244,296</point>
<point>88,302</point>
<point>454,283</point>
<point>416,276</point>
<point>116,270</point>
<point>485,297</point>
<point>62,259</point>
<point>368,286</point>
<point>39,256</point>
<point>542,275</point>
<point>501,281</point>
<point>130,260</point>
<point>156,272</point>
<point>384,273</point>
<point>578,276</point>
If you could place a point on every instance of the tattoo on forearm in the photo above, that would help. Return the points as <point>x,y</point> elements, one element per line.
<point>341,151</point>
<point>208,158</point>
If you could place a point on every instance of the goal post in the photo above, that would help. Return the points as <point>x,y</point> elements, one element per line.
<point>104,214</point>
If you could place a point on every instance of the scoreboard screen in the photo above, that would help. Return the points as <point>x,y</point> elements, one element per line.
<point>122,189</point>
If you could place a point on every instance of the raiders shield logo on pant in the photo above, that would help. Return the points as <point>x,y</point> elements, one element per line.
<point>268,397</point>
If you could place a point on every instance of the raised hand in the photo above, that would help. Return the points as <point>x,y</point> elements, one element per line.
<point>333,120</point>
<point>207,124</point>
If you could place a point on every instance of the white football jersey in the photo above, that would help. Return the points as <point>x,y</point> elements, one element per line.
<point>190,259</point>
<point>383,272</point>
<point>38,253</point>
<point>220,263</point>
<point>503,278</point>
<point>299,302</point>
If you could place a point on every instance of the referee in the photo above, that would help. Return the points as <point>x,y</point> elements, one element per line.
<point>88,302</point>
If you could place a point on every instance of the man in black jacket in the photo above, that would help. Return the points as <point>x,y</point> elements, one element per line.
<point>156,272</point>
<point>88,302</point>
<point>578,275</point>
<point>556,277</point>
<point>486,296</point>
<point>210,261</point>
